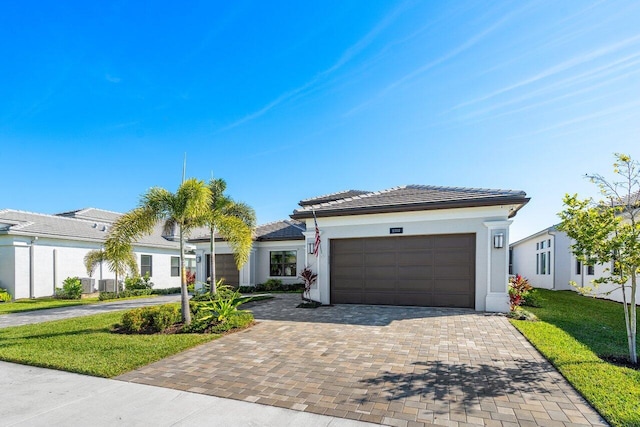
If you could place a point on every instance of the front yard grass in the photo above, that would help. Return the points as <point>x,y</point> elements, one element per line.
<point>85,345</point>
<point>41,304</point>
<point>576,334</point>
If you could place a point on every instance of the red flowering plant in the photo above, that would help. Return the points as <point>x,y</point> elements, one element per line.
<point>519,288</point>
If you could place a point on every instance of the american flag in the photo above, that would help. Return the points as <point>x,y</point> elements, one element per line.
<point>316,244</point>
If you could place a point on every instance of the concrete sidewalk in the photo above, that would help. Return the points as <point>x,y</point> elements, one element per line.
<point>39,316</point>
<point>43,397</point>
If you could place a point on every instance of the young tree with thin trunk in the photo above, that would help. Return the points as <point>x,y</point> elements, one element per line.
<point>234,221</point>
<point>120,266</point>
<point>185,209</point>
<point>608,232</point>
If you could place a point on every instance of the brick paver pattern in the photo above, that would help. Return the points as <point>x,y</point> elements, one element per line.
<point>401,366</point>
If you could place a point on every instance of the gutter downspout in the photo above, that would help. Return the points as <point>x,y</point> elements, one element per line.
<point>553,234</point>
<point>32,267</point>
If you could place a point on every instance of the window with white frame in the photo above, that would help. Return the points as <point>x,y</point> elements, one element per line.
<point>283,263</point>
<point>146,265</point>
<point>175,266</point>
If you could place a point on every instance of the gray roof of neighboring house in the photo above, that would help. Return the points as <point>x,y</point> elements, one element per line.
<point>332,197</point>
<point>92,214</point>
<point>273,231</point>
<point>412,198</point>
<point>22,223</point>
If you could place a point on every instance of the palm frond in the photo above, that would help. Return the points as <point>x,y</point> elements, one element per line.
<point>92,259</point>
<point>238,235</point>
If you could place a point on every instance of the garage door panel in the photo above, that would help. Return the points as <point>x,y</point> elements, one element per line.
<point>415,271</point>
<point>404,270</point>
<point>380,272</point>
<point>226,269</point>
<point>415,258</point>
<point>380,259</point>
<point>415,286</point>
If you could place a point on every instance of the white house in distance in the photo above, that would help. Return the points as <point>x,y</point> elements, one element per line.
<point>408,245</point>
<point>39,251</point>
<point>546,260</point>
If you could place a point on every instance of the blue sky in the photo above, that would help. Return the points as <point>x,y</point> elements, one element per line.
<point>287,100</point>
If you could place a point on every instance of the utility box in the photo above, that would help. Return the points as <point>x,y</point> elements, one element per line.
<point>88,285</point>
<point>107,285</point>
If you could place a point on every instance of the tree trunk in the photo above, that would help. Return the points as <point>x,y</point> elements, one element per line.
<point>186,312</point>
<point>212,261</point>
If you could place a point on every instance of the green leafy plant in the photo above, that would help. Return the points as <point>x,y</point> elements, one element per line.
<point>273,285</point>
<point>309,278</point>
<point>71,289</point>
<point>138,282</point>
<point>519,288</point>
<point>150,319</point>
<point>532,298</point>
<point>166,291</point>
<point>105,296</point>
<point>5,296</point>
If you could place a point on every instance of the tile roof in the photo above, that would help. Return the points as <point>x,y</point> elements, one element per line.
<point>332,197</point>
<point>23,223</point>
<point>278,230</point>
<point>412,198</point>
<point>92,214</point>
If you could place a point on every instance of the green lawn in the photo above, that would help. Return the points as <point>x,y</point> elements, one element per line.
<point>47,302</point>
<point>86,346</point>
<point>573,333</point>
<point>41,303</point>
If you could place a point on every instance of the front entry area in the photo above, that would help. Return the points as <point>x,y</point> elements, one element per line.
<point>430,270</point>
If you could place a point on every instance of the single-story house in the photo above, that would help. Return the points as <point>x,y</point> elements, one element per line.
<point>546,260</point>
<point>39,251</point>
<point>408,245</point>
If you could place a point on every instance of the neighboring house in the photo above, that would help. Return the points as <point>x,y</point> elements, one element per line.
<point>409,245</point>
<point>38,251</point>
<point>546,260</point>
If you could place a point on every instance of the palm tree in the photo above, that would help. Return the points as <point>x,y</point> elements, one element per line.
<point>120,266</point>
<point>185,209</point>
<point>234,221</point>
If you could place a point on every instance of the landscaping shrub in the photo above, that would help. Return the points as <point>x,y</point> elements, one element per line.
<point>218,313</point>
<point>273,285</point>
<point>138,282</point>
<point>166,291</point>
<point>105,296</point>
<point>239,319</point>
<point>519,287</point>
<point>5,296</point>
<point>150,319</point>
<point>246,289</point>
<point>532,298</point>
<point>71,289</point>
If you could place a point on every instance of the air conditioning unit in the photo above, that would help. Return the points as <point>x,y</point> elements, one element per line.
<point>107,285</point>
<point>88,285</point>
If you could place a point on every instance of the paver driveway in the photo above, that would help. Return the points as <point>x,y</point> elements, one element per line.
<point>391,365</point>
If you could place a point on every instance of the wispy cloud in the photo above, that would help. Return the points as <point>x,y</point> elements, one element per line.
<point>112,79</point>
<point>433,63</point>
<point>554,70</point>
<point>346,56</point>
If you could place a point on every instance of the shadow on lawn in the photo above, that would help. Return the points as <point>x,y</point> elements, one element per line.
<point>446,382</point>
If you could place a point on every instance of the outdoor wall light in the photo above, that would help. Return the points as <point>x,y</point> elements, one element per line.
<point>198,259</point>
<point>498,240</point>
<point>310,247</point>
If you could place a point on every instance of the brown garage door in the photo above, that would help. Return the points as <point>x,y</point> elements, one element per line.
<point>225,267</point>
<point>432,271</point>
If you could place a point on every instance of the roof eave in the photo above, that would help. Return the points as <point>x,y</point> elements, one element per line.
<point>454,204</point>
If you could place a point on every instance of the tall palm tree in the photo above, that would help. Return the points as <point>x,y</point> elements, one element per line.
<point>185,209</point>
<point>120,266</point>
<point>234,221</point>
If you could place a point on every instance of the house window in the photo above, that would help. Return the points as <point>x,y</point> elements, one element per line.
<point>537,263</point>
<point>510,261</point>
<point>283,264</point>
<point>542,245</point>
<point>175,266</point>
<point>543,263</point>
<point>145,265</point>
<point>549,262</point>
<point>537,246</point>
<point>578,267</point>
<point>590,270</point>
<point>549,243</point>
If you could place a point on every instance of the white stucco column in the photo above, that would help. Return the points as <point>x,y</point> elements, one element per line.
<point>201,269</point>
<point>497,299</point>
<point>315,264</point>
